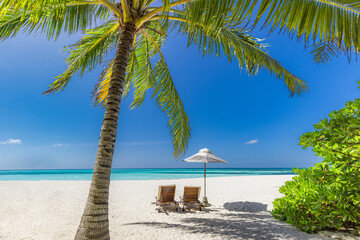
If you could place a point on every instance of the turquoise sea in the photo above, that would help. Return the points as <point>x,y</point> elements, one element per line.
<point>136,174</point>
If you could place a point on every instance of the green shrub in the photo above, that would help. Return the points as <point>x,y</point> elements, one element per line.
<point>327,196</point>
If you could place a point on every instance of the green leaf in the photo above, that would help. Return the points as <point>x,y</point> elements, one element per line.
<point>236,44</point>
<point>87,53</point>
<point>170,103</point>
<point>49,17</point>
<point>324,21</point>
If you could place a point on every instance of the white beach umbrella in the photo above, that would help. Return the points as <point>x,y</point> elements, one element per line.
<point>205,156</point>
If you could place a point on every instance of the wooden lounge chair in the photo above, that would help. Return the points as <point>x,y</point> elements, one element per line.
<point>166,198</point>
<point>190,200</point>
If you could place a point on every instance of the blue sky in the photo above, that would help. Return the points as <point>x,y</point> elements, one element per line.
<point>226,107</point>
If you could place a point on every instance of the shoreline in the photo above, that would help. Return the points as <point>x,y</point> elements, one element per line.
<point>167,179</point>
<point>45,169</point>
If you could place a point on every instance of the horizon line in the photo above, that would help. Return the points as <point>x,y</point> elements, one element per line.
<point>152,168</point>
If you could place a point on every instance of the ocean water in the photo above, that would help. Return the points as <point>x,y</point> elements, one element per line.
<point>136,174</point>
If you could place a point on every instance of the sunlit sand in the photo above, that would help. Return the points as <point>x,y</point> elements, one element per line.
<point>52,210</point>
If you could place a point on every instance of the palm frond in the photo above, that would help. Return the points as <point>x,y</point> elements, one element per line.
<point>131,68</point>
<point>251,55</point>
<point>145,3</point>
<point>87,53</point>
<point>170,103</point>
<point>143,78</point>
<point>165,12</point>
<point>322,19</point>
<point>100,92</point>
<point>101,89</point>
<point>235,43</point>
<point>167,96</point>
<point>323,52</point>
<point>49,17</point>
<point>214,13</point>
<point>11,23</point>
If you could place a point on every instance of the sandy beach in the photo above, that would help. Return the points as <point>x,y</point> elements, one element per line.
<point>52,210</point>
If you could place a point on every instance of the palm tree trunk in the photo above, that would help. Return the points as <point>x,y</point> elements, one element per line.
<point>94,223</point>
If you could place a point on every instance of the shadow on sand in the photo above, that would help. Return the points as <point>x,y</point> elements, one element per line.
<point>251,207</point>
<point>234,225</point>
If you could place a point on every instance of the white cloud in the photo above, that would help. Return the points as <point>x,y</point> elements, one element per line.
<point>57,144</point>
<point>11,141</point>
<point>252,141</point>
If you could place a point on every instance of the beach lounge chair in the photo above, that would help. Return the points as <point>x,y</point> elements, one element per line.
<point>190,199</point>
<point>166,198</point>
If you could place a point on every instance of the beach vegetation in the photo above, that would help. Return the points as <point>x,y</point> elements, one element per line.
<point>327,196</point>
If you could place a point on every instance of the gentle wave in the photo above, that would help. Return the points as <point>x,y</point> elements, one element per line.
<point>136,174</point>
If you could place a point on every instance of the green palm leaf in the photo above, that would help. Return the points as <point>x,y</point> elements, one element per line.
<point>170,103</point>
<point>321,19</point>
<point>159,77</point>
<point>167,96</point>
<point>87,53</point>
<point>236,44</point>
<point>12,22</point>
<point>143,77</point>
<point>323,52</point>
<point>101,89</point>
<point>100,92</point>
<point>49,17</point>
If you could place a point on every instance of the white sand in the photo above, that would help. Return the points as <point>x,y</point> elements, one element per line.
<point>52,210</point>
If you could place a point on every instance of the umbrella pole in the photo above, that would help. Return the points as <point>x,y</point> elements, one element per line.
<point>205,179</point>
<point>205,200</point>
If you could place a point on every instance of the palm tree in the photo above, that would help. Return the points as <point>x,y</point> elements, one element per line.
<point>138,30</point>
